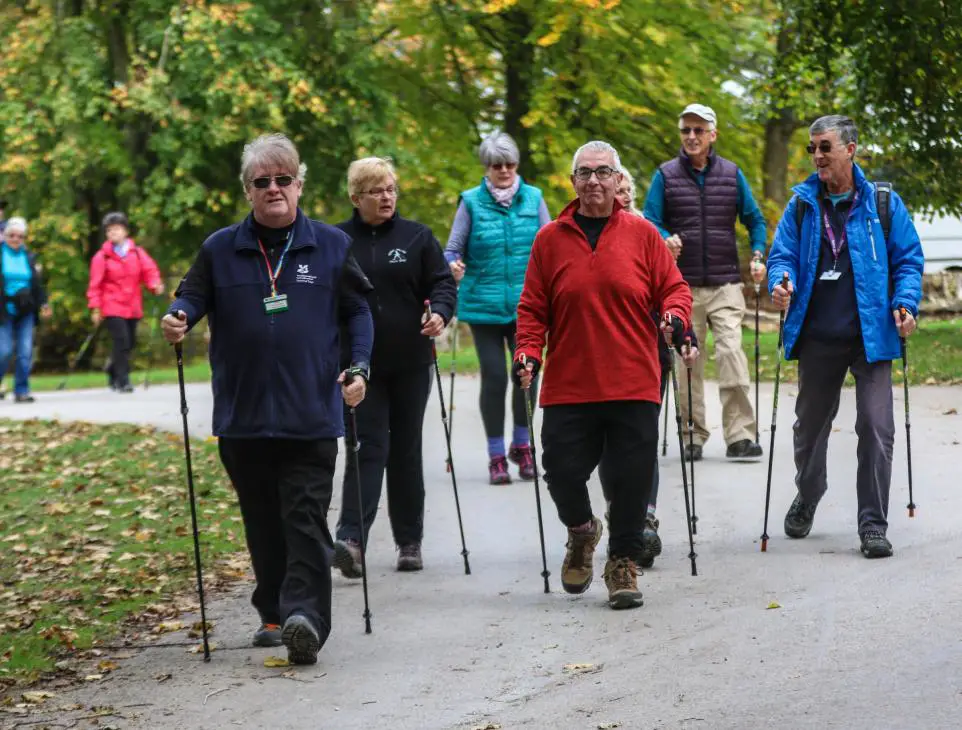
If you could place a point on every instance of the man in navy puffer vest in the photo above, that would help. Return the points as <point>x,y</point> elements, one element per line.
<point>275,288</point>
<point>695,200</point>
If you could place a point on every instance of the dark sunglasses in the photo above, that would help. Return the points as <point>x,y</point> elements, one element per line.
<point>824,147</point>
<point>699,131</point>
<point>262,183</point>
<point>504,165</point>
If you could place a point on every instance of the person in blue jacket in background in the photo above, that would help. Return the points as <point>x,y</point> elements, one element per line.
<point>276,288</point>
<point>851,294</point>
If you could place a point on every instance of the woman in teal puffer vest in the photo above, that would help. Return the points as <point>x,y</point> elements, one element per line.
<point>488,252</point>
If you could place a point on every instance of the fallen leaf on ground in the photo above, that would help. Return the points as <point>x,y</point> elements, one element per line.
<point>609,725</point>
<point>774,604</point>
<point>107,665</point>
<point>93,677</point>
<point>489,726</point>
<point>35,698</point>
<point>163,677</point>
<point>197,630</point>
<point>950,412</point>
<point>199,648</point>
<point>582,668</point>
<point>275,661</point>
<point>165,627</point>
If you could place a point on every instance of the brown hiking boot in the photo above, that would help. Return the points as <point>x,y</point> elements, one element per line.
<point>577,569</point>
<point>409,558</point>
<point>621,577</point>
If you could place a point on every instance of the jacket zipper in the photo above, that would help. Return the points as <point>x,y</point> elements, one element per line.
<point>871,237</point>
<point>704,235</point>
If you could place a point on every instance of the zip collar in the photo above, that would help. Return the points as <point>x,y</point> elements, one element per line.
<point>303,234</point>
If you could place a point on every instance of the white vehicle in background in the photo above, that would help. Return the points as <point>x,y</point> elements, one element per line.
<point>942,276</point>
<point>941,243</point>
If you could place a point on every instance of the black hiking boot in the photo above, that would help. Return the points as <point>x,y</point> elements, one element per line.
<point>301,640</point>
<point>875,545</point>
<point>744,449</point>
<point>800,517</point>
<point>650,542</point>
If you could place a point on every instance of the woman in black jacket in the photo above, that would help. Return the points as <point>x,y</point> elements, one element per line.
<point>404,262</point>
<point>22,301</point>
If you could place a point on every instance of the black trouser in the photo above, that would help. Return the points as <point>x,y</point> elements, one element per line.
<point>123,332</point>
<point>573,438</point>
<point>489,342</point>
<point>389,425</point>
<point>605,472</point>
<point>821,374</point>
<point>284,488</point>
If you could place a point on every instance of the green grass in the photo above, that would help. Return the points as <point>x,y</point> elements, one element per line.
<point>199,372</point>
<point>95,532</point>
<point>935,356</point>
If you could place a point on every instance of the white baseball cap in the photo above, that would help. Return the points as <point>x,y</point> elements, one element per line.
<point>701,111</point>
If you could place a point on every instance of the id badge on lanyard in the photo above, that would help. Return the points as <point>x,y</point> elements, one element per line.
<point>276,303</point>
<point>836,244</point>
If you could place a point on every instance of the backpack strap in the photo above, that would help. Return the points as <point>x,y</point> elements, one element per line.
<point>799,214</point>
<point>883,195</point>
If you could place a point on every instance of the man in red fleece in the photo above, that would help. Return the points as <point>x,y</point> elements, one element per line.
<point>594,277</point>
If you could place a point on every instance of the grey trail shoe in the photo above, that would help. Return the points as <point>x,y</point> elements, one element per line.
<point>875,545</point>
<point>268,635</point>
<point>347,558</point>
<point>800,518</point>
<point>650,542</point>
<point>301,640</point>
<point>409,558</point>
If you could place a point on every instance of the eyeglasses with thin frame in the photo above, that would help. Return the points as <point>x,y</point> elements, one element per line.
<point>389,191</point>
<point>699,131</point>
<point>262,183</point>
<point>503,166</point>
<point>602,173</point>
<point>824,147</point>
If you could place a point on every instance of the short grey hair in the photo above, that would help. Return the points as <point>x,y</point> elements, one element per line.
<point>844,126</point>
<point>17,224</point>
<point>498,148</point>
<point>274,150</point>
<point>596,146</point>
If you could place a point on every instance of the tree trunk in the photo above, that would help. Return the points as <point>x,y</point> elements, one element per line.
<point>778,136</point>
<point>519,61</point>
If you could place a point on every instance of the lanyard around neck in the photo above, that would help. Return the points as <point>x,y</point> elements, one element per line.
<point>839,242</point>
<point>271,274</point>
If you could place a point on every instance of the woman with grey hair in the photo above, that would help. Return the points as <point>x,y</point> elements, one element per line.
<point>22,300</point>
<point>488,250</point>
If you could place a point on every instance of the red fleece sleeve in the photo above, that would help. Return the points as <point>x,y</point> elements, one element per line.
<point>532,309</point>
<point>670,289</point>
<point>94,289</point>
<point>149,274</point>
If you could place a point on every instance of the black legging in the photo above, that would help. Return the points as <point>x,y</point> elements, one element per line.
<point>123,332</point>
<point>490,341</point>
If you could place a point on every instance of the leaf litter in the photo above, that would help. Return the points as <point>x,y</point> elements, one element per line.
<point>94,521</point>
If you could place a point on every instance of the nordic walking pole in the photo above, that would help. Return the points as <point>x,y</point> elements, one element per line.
<point>80,353</point>
<point>691,447</point>
<point>454,370</point>
<point>908,425</point>
<point>447,438</point>
<point>771,446</point>
<point>179,351</point>
<point>757,288</point>
<point>355,447</point>
<point>684,469</point>
<point>528,398</point>
<point>664,430</point>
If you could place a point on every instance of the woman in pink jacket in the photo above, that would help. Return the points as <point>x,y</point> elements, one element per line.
<point>117,272</point>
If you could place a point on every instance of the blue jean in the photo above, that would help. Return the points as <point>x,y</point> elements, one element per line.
<point>16,338</point>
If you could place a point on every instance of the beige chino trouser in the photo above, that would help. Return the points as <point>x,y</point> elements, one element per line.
<point>721,308</point>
